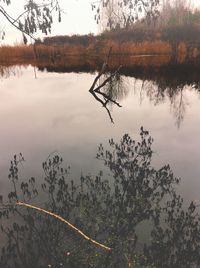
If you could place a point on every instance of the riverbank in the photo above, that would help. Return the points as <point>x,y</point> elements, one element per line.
<point>136,49</point>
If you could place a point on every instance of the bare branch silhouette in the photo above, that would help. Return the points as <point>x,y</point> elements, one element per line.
<point>95,89</point>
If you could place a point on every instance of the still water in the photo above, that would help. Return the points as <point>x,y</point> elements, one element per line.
<point>56,113</point>
<point>44,113</point>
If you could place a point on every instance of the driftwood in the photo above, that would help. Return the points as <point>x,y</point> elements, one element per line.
<point>66,222</point>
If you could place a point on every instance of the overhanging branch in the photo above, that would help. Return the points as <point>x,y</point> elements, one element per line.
<point>13,21</point>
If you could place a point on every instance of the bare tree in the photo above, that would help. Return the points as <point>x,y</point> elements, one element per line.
<point>123,13</point>
<point>176,12</point>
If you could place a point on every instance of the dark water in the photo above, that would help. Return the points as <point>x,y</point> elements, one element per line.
<point>55,113</point>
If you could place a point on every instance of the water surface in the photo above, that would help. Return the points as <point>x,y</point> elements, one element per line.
<point>56,112</point>
<point>46,113</point>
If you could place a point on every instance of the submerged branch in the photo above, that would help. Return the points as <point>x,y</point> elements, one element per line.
<point>94,89</point>
<point>107,79</point>
<point>66,222</point>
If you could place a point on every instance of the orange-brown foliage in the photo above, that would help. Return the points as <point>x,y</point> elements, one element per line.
<point>52,51</point>
<point>141,48</point>
<point>13,53</point>
<point>31,53</point>
<point>146,53</point>
<point>182,52</point>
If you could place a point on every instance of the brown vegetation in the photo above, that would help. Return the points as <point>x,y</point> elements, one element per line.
<point>24,53</point>
<point>172,39</point>
<point>141,47</point>
<point>157,53</point>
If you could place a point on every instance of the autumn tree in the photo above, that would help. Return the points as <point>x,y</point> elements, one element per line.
<point>123,13</point>
<point>33,18</point>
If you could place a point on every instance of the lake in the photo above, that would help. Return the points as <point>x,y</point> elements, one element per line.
<point>56,112</point>
<point>42,113</point>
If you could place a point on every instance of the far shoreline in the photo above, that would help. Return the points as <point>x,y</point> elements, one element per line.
<point>173,46</point>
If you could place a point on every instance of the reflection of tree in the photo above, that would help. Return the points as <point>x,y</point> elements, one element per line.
<point>159,92</point>
<point>167,83</point>
<point>175,89</point>
<point>176,245</point>
<point>7,71</point>
<point>108,209</point>
<point>179,104</point>
<point>108,89</point>
<point>116,88</point>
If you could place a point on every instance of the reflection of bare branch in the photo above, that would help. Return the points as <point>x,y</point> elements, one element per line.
<point>95,91</point>
<point>7,71</point>
<point>141,91</point>
<point>159,92</point>
<point>104,105</point>
<point>179,107</point>
<point>107,98</point>
<point>108,79</point>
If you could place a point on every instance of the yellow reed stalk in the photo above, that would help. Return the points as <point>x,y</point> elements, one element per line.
<point>66,222</point>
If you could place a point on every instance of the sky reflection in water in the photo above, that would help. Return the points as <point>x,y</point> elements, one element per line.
<point>55,112</point>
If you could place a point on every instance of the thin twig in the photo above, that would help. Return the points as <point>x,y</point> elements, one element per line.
<point>108,79</point>
<point>107,98</point>
<point>13,22</point>
<point>103,104</point>
<point>66,222</point>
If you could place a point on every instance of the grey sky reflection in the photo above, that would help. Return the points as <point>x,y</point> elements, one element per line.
<point>55,112</point>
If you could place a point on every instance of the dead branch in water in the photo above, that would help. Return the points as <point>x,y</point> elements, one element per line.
<point>95,90</point>
<point>66,222</point>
